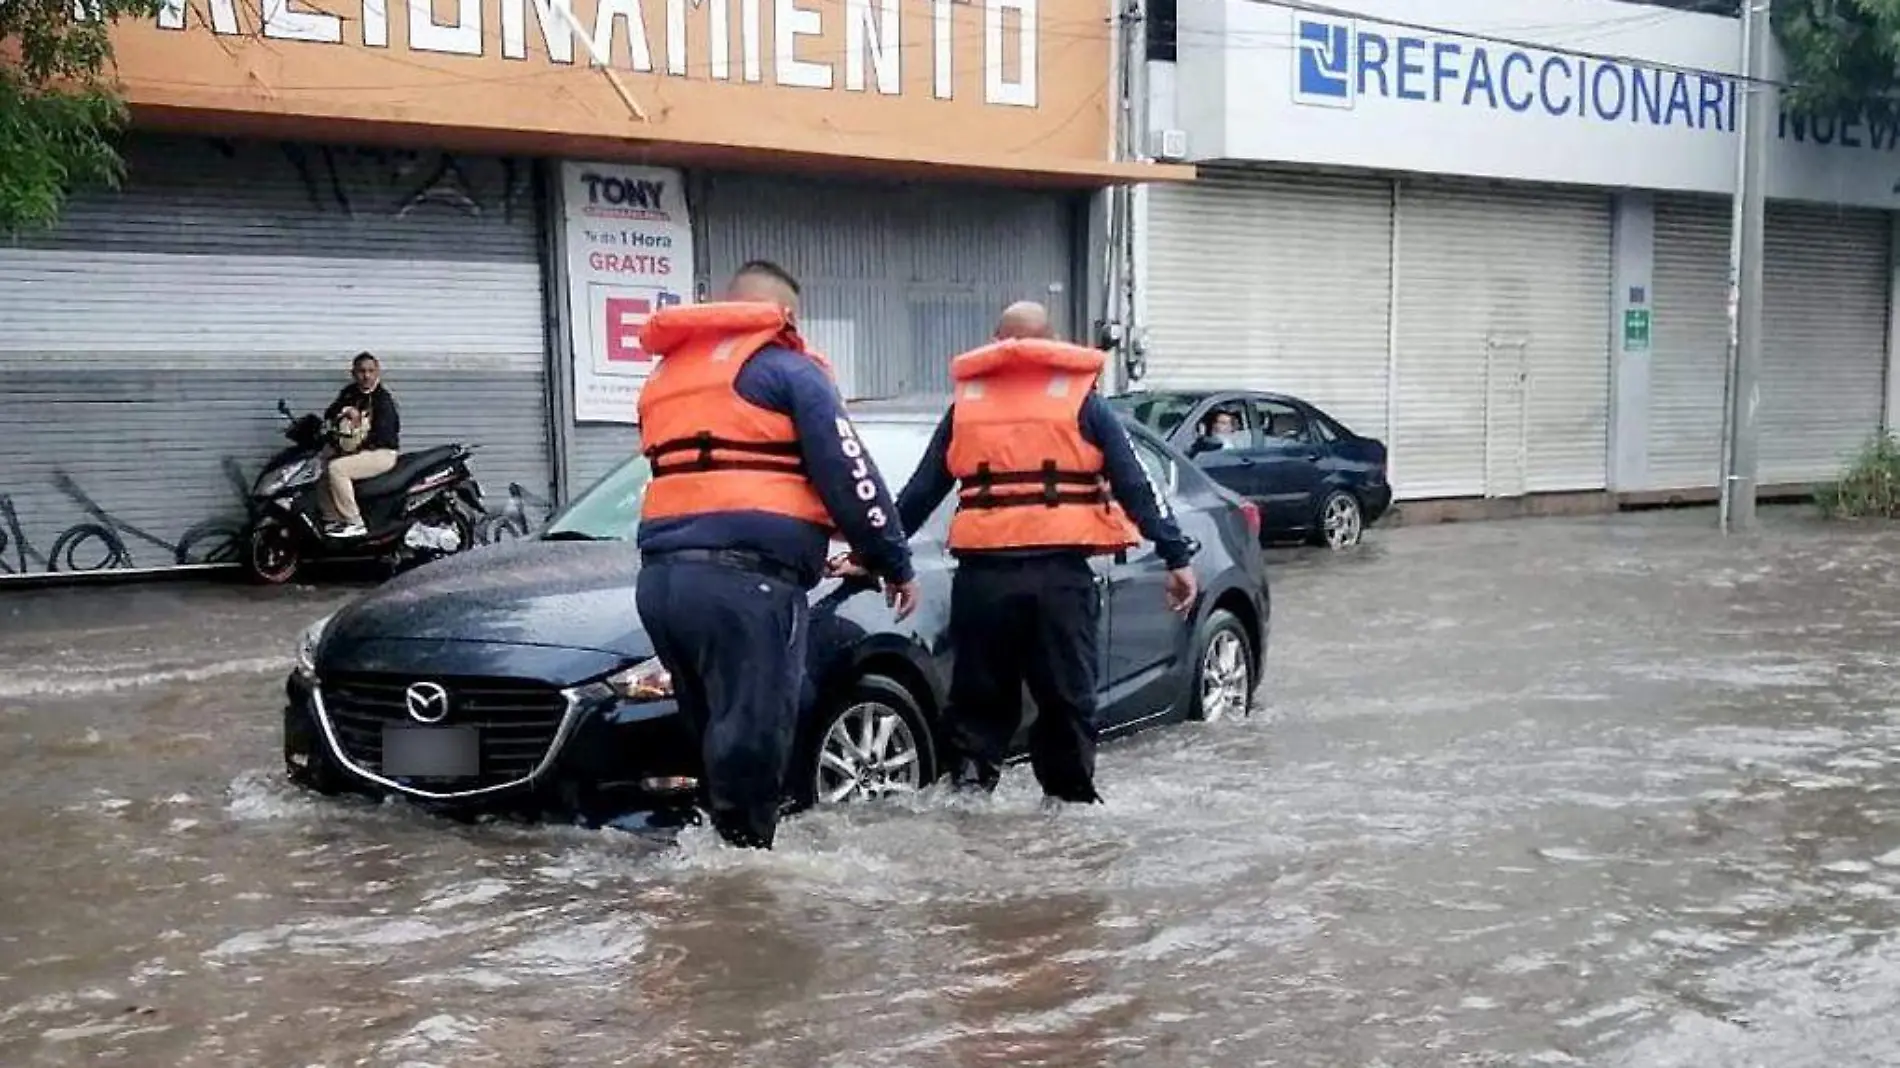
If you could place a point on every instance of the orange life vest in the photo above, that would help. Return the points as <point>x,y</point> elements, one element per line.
<point>711,449</point>
<point>1029,478</point>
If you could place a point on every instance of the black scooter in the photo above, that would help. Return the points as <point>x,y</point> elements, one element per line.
<point>424,508</point>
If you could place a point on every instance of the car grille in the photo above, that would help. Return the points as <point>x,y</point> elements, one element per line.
<point>518,721</point>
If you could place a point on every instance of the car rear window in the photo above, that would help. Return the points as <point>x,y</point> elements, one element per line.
<point>610,509</point>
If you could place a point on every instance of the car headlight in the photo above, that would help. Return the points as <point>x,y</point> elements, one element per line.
<point>646,681</point>
<point>307,648</point>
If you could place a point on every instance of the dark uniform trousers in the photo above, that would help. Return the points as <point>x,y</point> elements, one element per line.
<point>1033,619</point>
<point>734,642</point>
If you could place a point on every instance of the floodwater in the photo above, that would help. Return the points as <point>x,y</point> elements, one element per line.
<point>1606,792</point>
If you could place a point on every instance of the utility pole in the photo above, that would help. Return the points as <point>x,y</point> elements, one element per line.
<point>1741,440</point>
<point>1118,295</point>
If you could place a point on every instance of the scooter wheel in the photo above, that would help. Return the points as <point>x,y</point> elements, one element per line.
<point>271,553</point>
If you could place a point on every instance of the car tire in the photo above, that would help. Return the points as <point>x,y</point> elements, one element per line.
<point>1340,522</point>
<point>1222,683</point>
<point>829,768</point>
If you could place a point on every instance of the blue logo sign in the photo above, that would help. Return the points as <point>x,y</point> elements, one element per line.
<point>1340,63</point>
<point>1323,70</point>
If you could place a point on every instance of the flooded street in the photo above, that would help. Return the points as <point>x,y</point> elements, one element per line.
<point>1567,792</point>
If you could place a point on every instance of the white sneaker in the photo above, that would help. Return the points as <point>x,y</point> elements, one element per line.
<point>351,530</point>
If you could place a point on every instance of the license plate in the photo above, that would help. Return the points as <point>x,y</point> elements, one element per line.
<point>432,752</point>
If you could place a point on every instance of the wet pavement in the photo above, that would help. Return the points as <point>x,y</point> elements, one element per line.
<point>1605,792</point>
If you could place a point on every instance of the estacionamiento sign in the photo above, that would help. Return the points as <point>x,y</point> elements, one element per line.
<point>690,38</point>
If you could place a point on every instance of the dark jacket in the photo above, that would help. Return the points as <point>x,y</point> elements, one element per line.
<point>780,380</point>
<point>385,421</point>
<point>1127,480</point>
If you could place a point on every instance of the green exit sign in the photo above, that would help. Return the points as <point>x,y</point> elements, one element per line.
<point>1636,330</point>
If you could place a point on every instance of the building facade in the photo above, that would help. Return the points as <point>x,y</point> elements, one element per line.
<point>1496,235</point>
<point>468,192</point>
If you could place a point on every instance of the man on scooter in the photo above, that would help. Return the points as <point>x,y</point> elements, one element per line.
<point>366,428</point>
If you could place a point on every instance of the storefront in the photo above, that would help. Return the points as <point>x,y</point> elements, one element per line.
<point>337,181</point>
<point>150,337</point>
<point>897,276</point>
<point>1827,279</point>
<point>1450,240</point>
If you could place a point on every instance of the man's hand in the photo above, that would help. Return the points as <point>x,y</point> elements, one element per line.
<point>844,565</point>
<point>902,597</point>
<point>1181,590</point>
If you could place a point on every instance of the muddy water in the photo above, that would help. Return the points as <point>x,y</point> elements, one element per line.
<point>1603,792</point>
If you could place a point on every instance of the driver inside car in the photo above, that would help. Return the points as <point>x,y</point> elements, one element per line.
<point>1223,427</point>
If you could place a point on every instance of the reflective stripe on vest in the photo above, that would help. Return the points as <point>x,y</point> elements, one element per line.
<point>1029,478</point>
<point>712,450</point>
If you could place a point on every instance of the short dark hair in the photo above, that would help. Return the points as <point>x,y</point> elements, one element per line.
<point>770,270</point>
<point>365,357</point>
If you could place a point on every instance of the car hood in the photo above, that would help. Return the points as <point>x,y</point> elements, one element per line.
<point>561,594</point>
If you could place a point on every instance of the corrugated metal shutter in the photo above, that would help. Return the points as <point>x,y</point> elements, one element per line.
<point>149,338</point>
<point>1826,281</point>
<point>1503,366</point>
<point>1275,282</point>
<point>1688,343</point>
<point>897,277</point>
<point>595,449</point>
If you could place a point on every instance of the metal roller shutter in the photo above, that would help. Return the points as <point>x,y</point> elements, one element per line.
<point>1503,365</point>
<point>595,449</point>
<point>1274,282</point>
<point>898,277</point>
<point>1689,343</point>
<point>1824,347</point>
<point>149,338</point>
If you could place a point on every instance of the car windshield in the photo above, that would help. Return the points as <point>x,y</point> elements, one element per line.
<point>1160,412</point>
<point>610,510</point>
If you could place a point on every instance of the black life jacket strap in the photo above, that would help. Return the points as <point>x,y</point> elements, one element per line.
<point>705,443</point>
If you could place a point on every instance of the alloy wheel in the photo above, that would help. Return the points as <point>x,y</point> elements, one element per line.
<point>869,752</point>
<point>1226,677</point>
<point>1342,522</point>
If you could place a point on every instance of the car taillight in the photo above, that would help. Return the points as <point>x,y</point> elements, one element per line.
<point>1251,513</point>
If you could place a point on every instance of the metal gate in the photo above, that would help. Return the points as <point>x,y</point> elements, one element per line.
<point>149,337</point>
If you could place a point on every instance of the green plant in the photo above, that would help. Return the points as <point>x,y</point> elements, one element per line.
<point>1870,487</point>
<point>58,110</point>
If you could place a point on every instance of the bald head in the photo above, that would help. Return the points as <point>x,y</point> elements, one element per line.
<point>763,282</point>
<point>1023,319</point>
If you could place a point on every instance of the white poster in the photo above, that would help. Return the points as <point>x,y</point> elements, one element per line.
<point>629,253</point>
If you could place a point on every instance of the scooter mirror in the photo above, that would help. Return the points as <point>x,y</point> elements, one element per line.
<point>282,408</point>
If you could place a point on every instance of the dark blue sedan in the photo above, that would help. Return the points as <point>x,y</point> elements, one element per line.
<point>1312,478</point>
<point>519,675</point>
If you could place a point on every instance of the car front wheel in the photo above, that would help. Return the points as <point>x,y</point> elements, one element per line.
<point>871,742</point>
<point>1341,521</point>
<point>1223,676</point>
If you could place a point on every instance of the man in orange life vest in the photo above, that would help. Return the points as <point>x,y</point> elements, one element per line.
<point>754,464</point>
<point>1048,480</point>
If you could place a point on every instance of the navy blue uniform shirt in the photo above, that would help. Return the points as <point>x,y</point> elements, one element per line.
<point>1127,479</point>
<point>780,380</point>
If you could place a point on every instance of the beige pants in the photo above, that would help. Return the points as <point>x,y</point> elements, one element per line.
<point>344,472</point>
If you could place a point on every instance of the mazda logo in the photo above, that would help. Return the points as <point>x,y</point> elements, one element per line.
<point>427,702</point>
